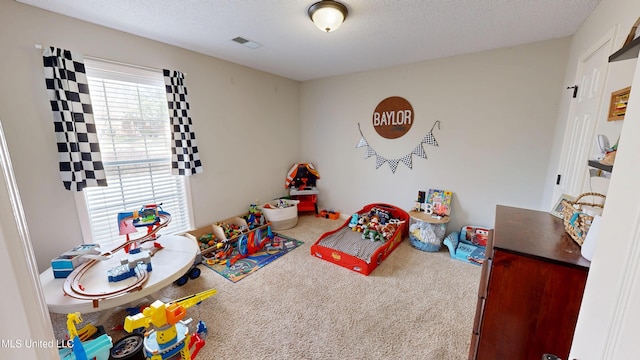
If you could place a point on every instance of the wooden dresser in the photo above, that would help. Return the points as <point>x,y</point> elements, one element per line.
<point>530,289</point>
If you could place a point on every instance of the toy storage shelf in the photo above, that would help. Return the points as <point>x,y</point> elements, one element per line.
<point>196,234</point>
<point>629,51</point>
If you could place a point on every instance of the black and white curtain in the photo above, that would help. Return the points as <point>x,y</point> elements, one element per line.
<point>185,159</point>
<point>66,81</point>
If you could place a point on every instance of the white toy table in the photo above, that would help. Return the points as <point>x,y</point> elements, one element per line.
<point>168,265</point>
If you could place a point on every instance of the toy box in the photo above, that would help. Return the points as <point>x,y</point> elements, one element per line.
<point>237,225</point>
<point>282,214</point>
<point>347,248</point>
<point>208,236</point>
<point>64,264</point>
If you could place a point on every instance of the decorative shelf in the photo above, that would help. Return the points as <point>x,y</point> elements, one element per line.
<point>598,165</point>
<point>629,51</point>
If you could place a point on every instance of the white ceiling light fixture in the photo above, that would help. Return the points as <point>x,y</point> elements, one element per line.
<point>328,15</point>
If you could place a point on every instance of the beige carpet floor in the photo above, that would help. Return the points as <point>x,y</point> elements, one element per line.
<point>415,305</point>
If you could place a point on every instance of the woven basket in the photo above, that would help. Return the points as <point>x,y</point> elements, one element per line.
<point>576,222</point>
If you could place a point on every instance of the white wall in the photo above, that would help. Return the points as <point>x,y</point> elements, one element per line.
<point>246,122</point>
<point>616,15</point>
<point>607,325</point>
<point>23,313</point>
<point>497,110</point>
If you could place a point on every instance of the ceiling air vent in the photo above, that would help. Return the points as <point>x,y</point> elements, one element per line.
<point>246,42</point>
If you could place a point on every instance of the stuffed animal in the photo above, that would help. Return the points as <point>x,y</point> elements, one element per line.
<point>439,209</point>
<point>372,231</point>
<point>373,235</point>
<point>388,230</point>
<point>354,221</point>
<point>362,224</point>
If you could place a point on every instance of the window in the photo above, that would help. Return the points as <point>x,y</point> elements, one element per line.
<point>132,123</point>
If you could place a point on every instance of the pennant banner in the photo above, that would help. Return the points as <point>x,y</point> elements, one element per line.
<point>430,140</point>
<point>369,153</point>
<point>407,159</point>
<point>393,164</point>
<point>419,150</point>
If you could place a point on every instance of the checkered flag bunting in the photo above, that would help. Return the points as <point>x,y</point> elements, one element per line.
<point>419,151</point>
<point>393,164</point>
<point>79,152</point>
<point>405,159</point>
<point>185,159</point>
<point>369,153</point>
<point>429,139</point>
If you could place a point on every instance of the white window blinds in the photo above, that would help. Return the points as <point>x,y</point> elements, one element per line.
<point>132,122</point>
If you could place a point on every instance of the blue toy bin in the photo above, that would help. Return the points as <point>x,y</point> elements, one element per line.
<point>424,246</point>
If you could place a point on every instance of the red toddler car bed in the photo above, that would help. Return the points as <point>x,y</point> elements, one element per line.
<point>347,248</point>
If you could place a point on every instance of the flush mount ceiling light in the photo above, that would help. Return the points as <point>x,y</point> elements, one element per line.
<point>327,15</point>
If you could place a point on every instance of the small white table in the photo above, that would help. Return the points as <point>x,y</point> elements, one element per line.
<point>168,265</point>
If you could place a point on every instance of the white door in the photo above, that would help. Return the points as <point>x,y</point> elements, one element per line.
<point>608,326</point>
<point>580,134</point>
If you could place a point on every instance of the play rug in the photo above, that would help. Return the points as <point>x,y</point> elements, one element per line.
<point>245,266</point>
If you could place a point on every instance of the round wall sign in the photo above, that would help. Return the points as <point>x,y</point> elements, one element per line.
<point>393,117</point>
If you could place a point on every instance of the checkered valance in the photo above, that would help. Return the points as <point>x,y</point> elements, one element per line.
<point>80,159</point>
<point>185,159</point>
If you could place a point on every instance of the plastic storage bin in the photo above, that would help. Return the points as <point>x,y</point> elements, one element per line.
<point>426,232</point>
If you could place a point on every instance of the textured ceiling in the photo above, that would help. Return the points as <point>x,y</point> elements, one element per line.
<point>376,33</point>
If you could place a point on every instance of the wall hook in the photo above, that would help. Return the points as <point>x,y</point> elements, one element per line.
<point>575,90</point>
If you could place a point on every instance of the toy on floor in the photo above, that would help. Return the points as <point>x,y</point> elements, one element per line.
<point>213,249</point>
<point>97,349</point>
<point>329,214</point>
<point>128,347</point>
<point>249,244</point>
<point>255,217</point>
<point>171,336</point>
<point>469,244</point>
